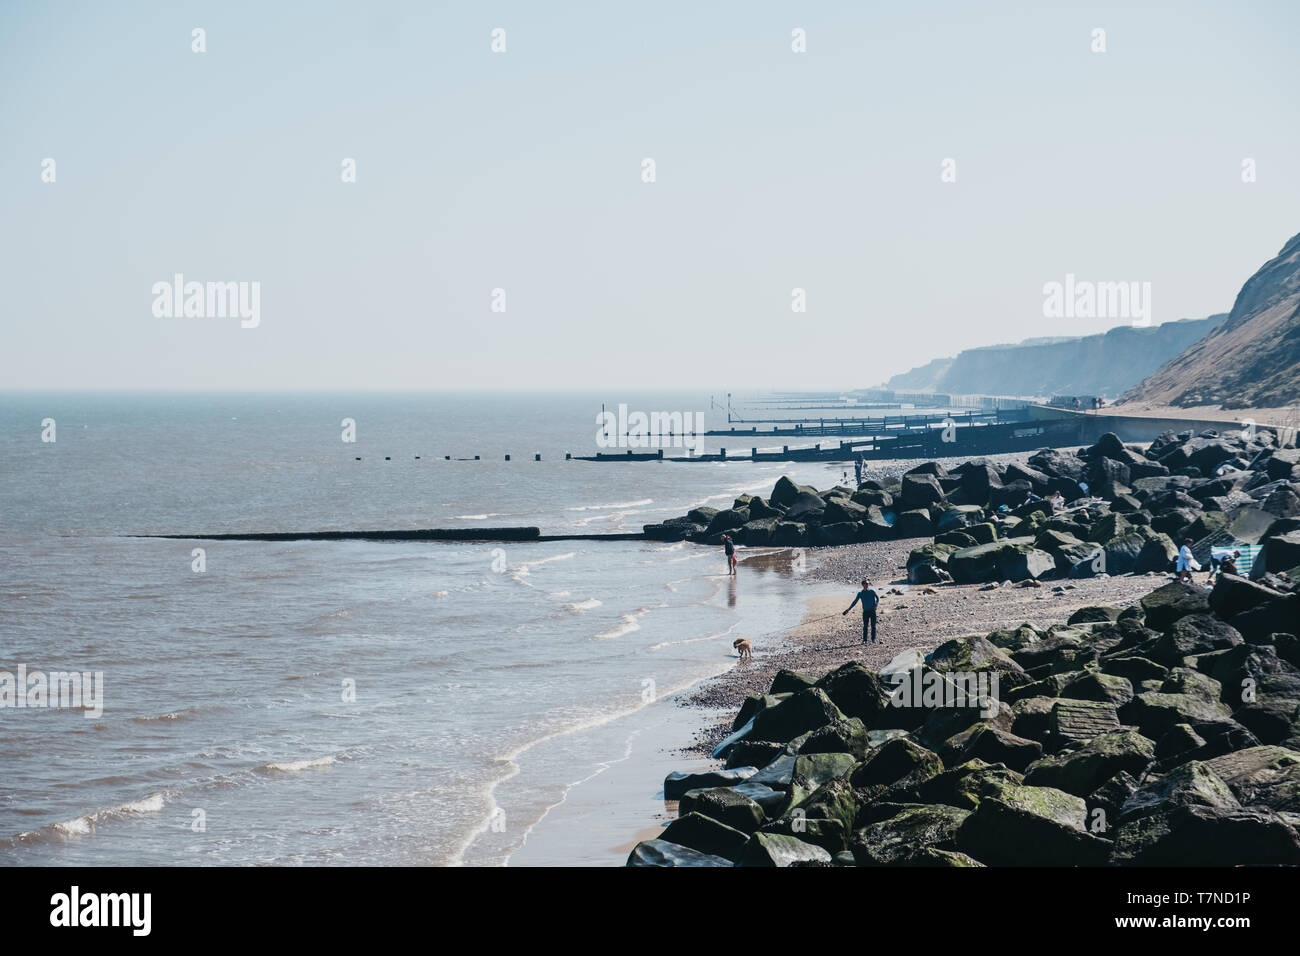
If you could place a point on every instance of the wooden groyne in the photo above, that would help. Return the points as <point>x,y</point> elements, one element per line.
<point>423,534</point>
<point>913,436</point>
<point>865,425</point>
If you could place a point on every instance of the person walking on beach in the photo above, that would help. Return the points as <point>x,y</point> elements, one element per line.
<point>857,468</point>
<point>729,548</point>
<point>870,601</point>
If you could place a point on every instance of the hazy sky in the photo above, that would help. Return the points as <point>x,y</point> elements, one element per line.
<point>522,171</point>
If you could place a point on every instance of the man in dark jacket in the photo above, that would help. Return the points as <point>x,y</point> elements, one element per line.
<point>870,601</point>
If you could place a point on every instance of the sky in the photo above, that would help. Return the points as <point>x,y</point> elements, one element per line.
<point>524,171</point>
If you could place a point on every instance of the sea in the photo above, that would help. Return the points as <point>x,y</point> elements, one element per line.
<point>355,702</point>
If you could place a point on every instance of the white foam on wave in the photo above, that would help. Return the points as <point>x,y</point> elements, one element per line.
<point>85,824</point>
<point>295,765</point>
<point>586,605</point>
<point>616,504</point>
<point>524,570</point>
<point>631,623</point>
<point>694,640</point>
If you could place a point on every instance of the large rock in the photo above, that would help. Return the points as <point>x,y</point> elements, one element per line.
<point>856,690</point>
<point>663,853</point>
<point>802,712</point>
<point>901,837</point>
<point>806,507</point>
<point>980,563</point>
<point>1266,776</point>
<point>1279,616</point>
<point>1192,784</point>
<point>914,523</point>
<point>1077,721</point>
<point>1155,713</point>
<point>825,818</point>
<point>921,490</point>
<point>1084,770</point>
<point>786,491</point>
<point>1024,563</point>
<point>900,762</point>
<point>975,653</point>
<point>1191,635</point>
<point>1185,836</point>
<point>777,849</point>
<point>757,533</point>
<point>843,509</point>
<point>1158,553</point>
<point>788,534</point>
<point>978,479</point>
<point>842,532</point>
<point>726,805</point>
<point>676,784</point>
<point>1031,826</point>
<point>1163,606</point>
<point>698,832</point>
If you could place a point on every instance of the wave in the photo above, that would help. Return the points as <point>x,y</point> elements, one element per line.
<point>694,640</point>
<point>586,605</point>
<point>85,824</point>
<point>174,715</point>
<point>670,547</point>
<point>523,570</point>
<point>616,504</point>
<point>484,517</point>
<point>296,765</point>
<point>631,623</point>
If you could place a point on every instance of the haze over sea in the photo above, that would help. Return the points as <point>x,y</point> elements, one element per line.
<point>492,681</point>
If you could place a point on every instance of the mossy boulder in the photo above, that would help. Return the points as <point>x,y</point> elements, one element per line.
<point>901,837</point>
<point>1083,770</point>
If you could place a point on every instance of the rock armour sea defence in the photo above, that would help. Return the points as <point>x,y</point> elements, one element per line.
<point>1154,735</point>
<point>1126,510</point>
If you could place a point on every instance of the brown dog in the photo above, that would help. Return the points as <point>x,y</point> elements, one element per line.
<point>743,647</point>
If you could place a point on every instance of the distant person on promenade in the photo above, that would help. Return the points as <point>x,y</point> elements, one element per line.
<point>1186,563</point>
<point>870,601</point>
<point>1076,403</point>
<point>729,548</point>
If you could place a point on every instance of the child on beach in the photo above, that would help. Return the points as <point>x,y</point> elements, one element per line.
<point>729,547</point>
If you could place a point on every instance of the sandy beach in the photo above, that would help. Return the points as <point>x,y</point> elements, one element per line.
<point>908,618</point>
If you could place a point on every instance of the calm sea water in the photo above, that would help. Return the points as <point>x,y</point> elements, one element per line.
<point>343,702</point>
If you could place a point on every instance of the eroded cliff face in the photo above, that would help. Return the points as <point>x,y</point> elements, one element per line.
<point>1106,364</point>
<point>1251,360</point>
